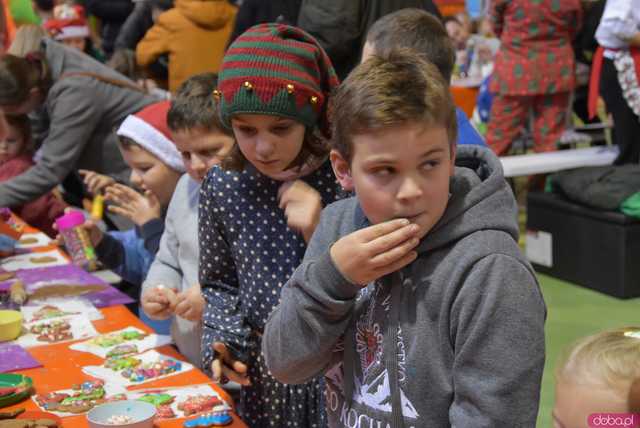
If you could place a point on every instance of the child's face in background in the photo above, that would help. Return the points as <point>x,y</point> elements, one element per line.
<point>150,173</point>
<point>402,172</point>
<point>458,34</point>
<point>79,43</point>
<point>12,145</point>
<point>270,143</point>
<point>575,402</point>
<point>201,149</point>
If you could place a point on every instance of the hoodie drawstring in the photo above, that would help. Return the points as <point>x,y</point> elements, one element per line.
<point>391,348</point>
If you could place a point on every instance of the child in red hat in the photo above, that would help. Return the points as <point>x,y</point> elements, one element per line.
<point>156,166</point>
<point>69,26</point>
<point>257,216</point>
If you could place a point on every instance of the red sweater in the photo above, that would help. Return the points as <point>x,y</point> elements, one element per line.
<point>39,213</point>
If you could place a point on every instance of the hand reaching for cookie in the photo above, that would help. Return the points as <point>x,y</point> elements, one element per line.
<point>135,206</point>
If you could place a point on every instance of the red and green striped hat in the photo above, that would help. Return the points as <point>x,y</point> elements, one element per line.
<point>276,69</point>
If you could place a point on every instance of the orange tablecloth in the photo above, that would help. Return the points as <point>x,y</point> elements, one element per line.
<point>62,367</point>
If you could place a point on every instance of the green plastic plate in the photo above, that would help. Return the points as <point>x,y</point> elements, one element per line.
<point>8,380</point>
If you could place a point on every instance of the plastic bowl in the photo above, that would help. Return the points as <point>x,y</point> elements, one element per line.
<point>10,325</point>
<point>142,414</point>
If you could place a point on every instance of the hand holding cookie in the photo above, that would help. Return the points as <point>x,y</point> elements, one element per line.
<point>159,302</point>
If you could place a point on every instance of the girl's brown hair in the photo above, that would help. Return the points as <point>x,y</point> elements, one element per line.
<point>18,76</point>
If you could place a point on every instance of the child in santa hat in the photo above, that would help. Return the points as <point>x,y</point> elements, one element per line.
<point>69,26</point>
<point>156,166</point>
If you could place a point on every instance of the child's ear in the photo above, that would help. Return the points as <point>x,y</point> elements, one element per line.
<point>342,170</point>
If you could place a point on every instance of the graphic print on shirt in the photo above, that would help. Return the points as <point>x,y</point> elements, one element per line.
<point>372,389</point>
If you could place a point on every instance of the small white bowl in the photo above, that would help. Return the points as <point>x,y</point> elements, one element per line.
<point>142,414</point>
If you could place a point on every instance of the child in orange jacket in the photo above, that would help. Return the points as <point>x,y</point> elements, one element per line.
<point>194,33</point>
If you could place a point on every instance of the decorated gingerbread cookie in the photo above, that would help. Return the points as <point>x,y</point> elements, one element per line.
<point>51,400</point>
<point>198,403</point>
<point>118,364</point>
<point>50,311</point>
<point>152,370</point>
<point>210,419</point>
<point>165,412</point>
<point>122,350</point>
<point>112,339</point>
<point>28,423</point>
<point>158,399</point>
<point>50,326</point>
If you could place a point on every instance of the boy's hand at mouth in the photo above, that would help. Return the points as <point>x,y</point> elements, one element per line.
<point>371,253</point>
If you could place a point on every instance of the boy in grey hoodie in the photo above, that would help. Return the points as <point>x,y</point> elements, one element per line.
<point>413,297</point>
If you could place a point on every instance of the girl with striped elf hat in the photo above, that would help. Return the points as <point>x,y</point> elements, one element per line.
<point>258,212</point>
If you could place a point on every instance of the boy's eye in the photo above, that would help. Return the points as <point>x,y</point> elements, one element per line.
<point>210,153</point>
<point>186,155</point>
<point>430,164</point>
<point>384,171</point>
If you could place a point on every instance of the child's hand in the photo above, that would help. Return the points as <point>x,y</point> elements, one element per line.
<point>90,226</point>
<point>96,183</point>
<point>375,251</point>
<point>130,204</point>
<point>158,302</point>
<point>225,367</point>
<point>302,206</point>
<point>190,304</point>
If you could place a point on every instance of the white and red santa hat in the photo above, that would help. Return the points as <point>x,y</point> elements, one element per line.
<point>148,128</point>
<point>67,22</point>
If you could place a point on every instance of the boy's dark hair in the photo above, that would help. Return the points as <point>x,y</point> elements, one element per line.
<point>385,92</point>
<point>194,105</point>
<point>418,30</point>
<point>23,125</point>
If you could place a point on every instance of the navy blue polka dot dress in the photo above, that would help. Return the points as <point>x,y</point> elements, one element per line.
<point>247,254</point>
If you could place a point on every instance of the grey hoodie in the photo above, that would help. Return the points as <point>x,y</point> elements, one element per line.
<point>454,339</point>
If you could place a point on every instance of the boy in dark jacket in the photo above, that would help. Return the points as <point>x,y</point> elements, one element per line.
<point>413,297</point>
<point>341,25</point>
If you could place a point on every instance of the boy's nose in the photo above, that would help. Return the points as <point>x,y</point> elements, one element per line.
<point>409,189</point>
<point>135,179</point>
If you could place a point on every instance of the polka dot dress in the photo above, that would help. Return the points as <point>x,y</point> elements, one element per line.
<point>247,253</point>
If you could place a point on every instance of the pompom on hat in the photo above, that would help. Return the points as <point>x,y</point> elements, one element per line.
<point>67,22</point>
<point>276,69</point>
<point>148,128</point>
